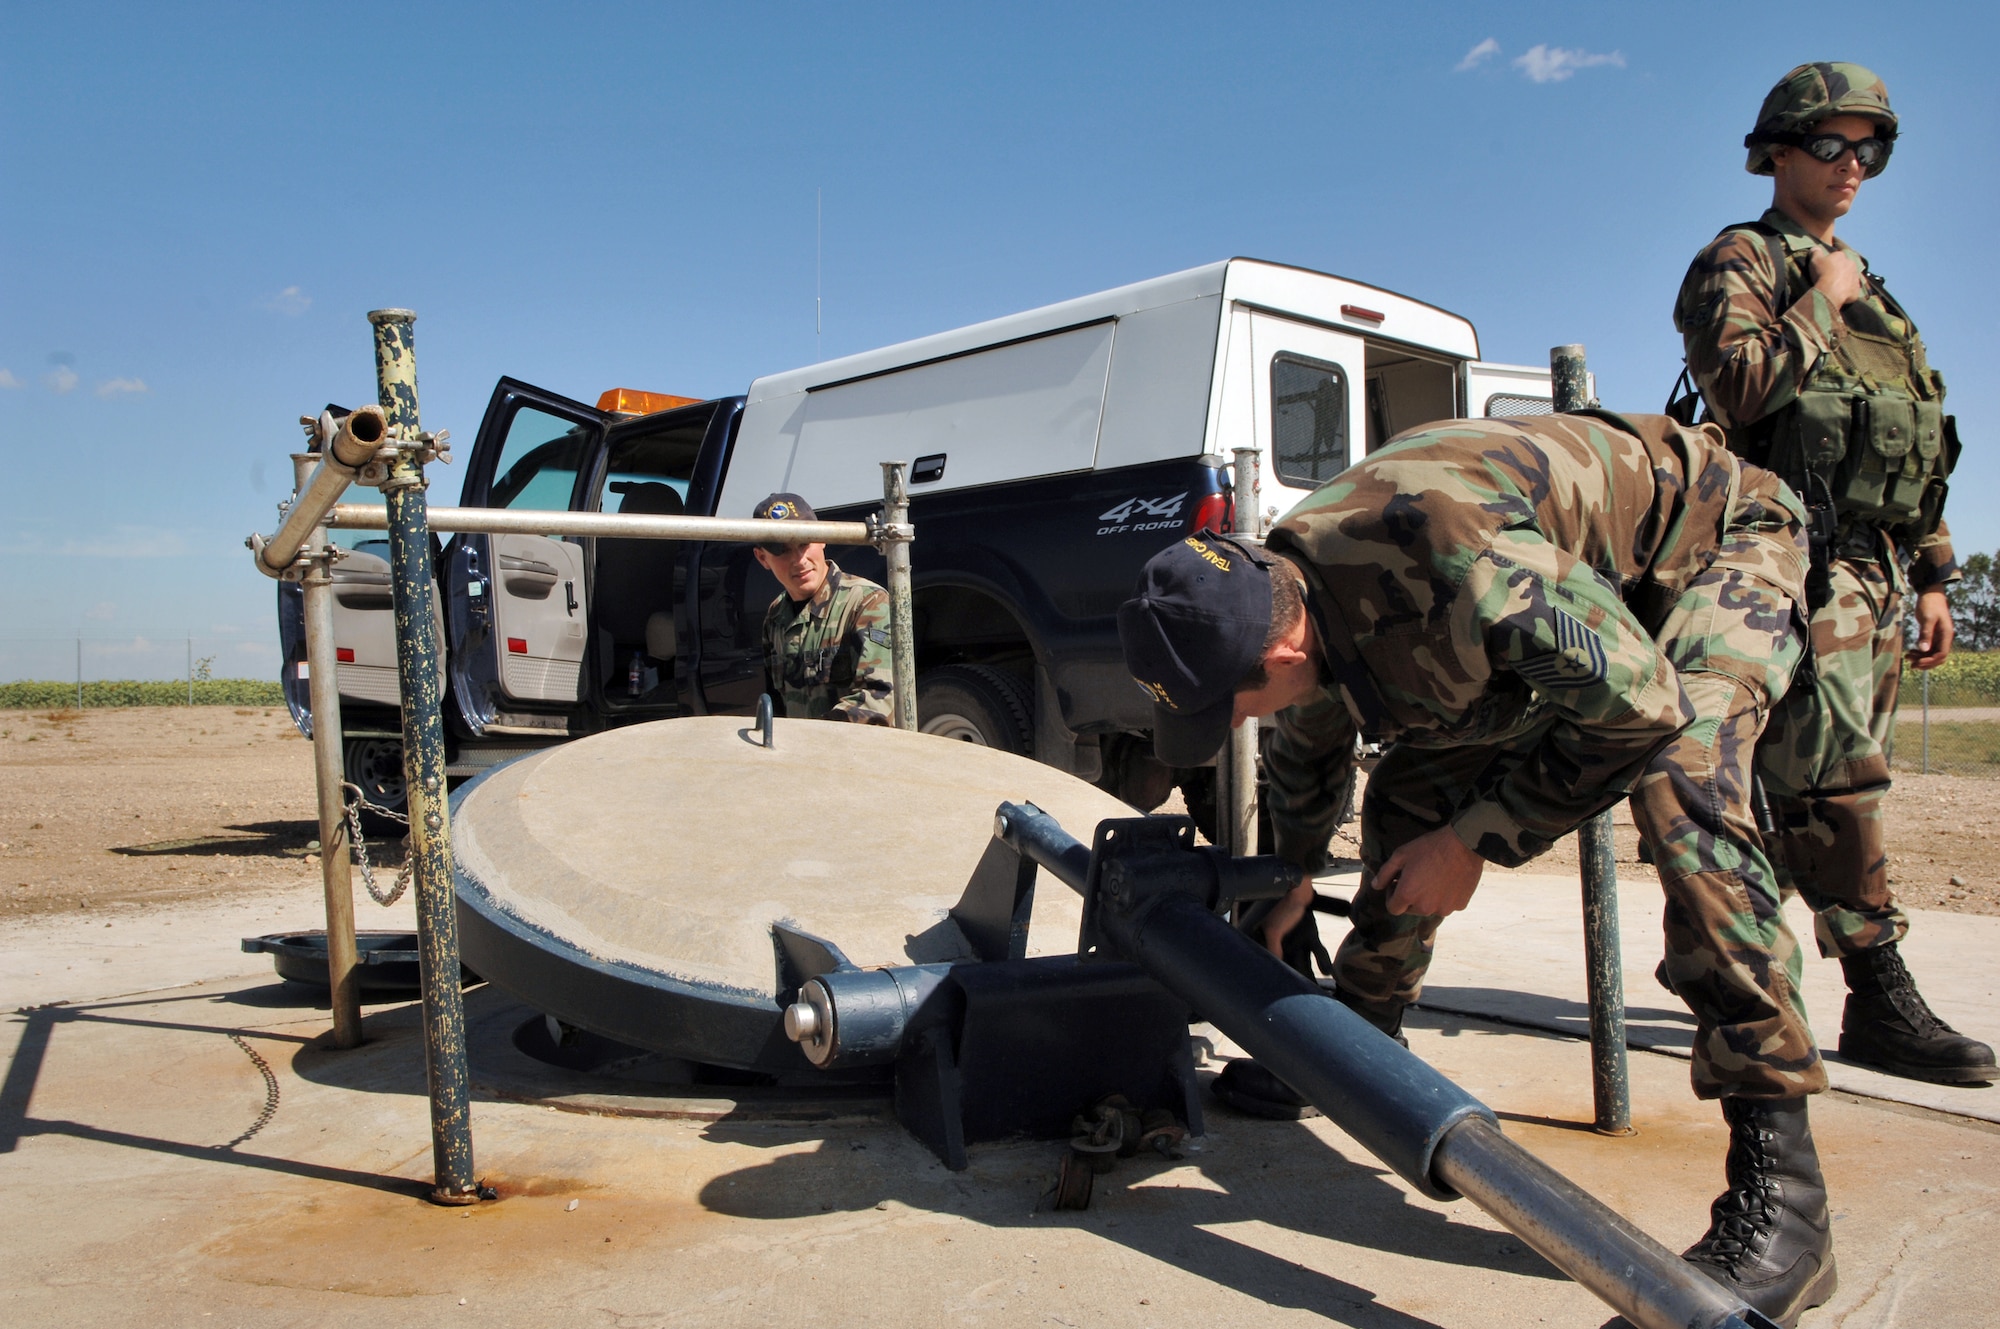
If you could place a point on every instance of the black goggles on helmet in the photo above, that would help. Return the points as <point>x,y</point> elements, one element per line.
<point>1870,154</point>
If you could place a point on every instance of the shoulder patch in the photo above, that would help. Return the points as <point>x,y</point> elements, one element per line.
<point>1577,661</point>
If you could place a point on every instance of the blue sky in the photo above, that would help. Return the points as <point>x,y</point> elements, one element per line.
<point>199,203</point>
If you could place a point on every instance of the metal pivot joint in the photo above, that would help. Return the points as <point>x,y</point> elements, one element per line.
<point>1610,1077</point>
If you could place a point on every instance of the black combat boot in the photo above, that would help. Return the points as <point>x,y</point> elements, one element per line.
<point>1887,1026</point>
<point>1769,1239</point>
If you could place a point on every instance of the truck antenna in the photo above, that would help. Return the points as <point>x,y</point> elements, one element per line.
<point>818,214</point>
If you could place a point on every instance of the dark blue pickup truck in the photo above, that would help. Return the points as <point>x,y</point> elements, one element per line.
<point>1052,452</point>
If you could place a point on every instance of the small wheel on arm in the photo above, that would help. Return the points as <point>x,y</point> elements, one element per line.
<point>976,704</point>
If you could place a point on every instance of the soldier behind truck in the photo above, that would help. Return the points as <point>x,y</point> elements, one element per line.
<point>826,639</point>
<point>1817,373</point>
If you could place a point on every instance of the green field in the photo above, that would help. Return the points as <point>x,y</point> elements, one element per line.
<point>1957,747</point>
<point>206,692</point>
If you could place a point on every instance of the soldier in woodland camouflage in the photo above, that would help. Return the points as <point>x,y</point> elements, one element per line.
<point>1818,373</point>
<point>1539,617</point>
<point>826,639</point>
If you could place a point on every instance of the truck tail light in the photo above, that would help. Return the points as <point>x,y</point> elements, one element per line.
<point>344,654</point>
<point>1211,513</point>
<point>517,645</point>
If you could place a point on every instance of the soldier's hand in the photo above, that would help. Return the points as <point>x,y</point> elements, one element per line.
<point>1285,915</point>
<point>1935,632</point>
<point>1434,874</point>
<point>1837,276</point>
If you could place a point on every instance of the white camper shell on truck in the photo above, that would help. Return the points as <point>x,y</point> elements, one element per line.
<point>1314,370</point>
<point>1051,453</point>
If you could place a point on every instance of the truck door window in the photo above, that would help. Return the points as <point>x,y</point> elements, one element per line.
<point>537,469</point>
<point>662,457</point>
<point>1308,420</point>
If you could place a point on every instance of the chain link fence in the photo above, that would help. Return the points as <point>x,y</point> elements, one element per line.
<point>184,670</point>
<point>1948,718</point>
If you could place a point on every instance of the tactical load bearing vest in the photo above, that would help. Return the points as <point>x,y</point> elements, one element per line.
<point>1868,430</point>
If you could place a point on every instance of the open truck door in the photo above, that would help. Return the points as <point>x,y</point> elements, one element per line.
<point>519,610</point>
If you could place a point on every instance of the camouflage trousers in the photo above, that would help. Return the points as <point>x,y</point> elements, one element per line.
<point>1825,762</point>
<point>1735,641</point>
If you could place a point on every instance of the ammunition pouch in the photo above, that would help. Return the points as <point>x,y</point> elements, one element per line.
<point>1877,457</point>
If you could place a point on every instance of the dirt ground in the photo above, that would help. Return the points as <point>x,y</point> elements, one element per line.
<point>105,809</point>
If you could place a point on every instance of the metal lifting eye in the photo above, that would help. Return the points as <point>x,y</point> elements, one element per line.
<point>767,723</point>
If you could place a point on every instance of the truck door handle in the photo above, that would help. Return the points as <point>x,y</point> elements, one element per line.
<point>569,594</point>
<point>926,469</point>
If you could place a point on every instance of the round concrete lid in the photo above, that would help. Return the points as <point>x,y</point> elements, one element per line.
<point>674,846</point>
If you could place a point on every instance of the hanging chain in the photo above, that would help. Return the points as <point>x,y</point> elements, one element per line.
<point>356,804</point>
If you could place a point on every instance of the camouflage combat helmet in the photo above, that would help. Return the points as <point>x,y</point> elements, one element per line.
<point>1810,94</point>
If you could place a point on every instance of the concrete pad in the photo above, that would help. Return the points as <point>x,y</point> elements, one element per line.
<point>156,1174</point>
<point>1517,955</point>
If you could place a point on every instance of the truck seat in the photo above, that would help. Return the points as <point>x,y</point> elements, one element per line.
<point>635,578</point>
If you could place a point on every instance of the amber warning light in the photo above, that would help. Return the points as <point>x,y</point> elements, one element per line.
<point>631,401</point>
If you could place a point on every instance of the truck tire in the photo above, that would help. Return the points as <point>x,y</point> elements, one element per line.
<point>976,704</point>
<point>376,766</point>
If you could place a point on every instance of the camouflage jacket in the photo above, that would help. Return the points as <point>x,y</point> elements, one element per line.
<point>1499,581</point>
<point>1749,359</point>
<point>828,659</point>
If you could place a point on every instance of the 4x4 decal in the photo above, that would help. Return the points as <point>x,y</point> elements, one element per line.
<point>1156,514</point>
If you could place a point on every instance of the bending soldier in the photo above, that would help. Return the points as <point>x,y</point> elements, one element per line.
<point>1816,372</point>
<point>1539,617</point>
<point>826,639</point>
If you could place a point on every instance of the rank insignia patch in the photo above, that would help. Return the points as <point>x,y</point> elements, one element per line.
<point>1577,661</point>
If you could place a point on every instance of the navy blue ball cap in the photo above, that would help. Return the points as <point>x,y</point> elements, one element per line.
<point>784,507</point>
<point>1193,629</point>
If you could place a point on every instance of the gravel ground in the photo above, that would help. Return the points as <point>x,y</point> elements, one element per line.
<point>106,809</point>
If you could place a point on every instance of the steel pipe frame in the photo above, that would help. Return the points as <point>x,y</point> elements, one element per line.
<point>323,684</point>
<point>1429,1130</point>
<point>422,694</point>
<point>892,535</point>
<point>1610,1074</point>
<point>1240,752</point>
<point>622,525</point>
<point>353,445</point>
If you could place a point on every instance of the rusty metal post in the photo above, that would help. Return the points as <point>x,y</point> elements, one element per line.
<point>419,667</point>
<point>323,684</point>
<point>893,536</point>
<point>1246,492</point>
<point>1610,1079</point>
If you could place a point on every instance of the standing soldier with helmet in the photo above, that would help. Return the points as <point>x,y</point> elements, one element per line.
<point>1817,373</point>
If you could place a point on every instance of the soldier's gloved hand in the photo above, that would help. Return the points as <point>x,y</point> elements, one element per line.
<point>1434,874</point>
<point>1836,276</point>
<point>1935,632</point>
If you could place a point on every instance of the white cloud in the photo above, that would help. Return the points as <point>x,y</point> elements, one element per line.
<point>290,302</point>
<point>61,379</point>
<point>1478,55</point>
<point>1553,64</point>
<point>103,611</point>
<point>120,387</point>
<point>7,379</point>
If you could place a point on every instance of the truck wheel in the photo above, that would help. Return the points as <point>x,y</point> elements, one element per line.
<point>376,766</point>
<point>976,704</point>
